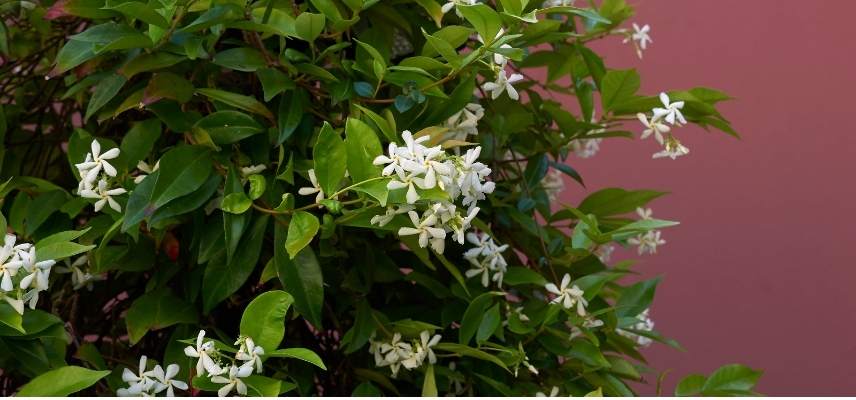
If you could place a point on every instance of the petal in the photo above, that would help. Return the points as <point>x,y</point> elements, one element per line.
<point>664,98</point>
<point>96,148</point>
<point>110,154</point>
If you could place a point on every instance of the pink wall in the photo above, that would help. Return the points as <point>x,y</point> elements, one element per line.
<point>760,271</point>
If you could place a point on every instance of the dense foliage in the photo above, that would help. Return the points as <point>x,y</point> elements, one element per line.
<point>325,197</point>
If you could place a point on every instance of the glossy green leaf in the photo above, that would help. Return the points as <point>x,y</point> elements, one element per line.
<point>264,319</point>
<point>301,230</point>
<point>300,354</point>
<point>330,158</point>
<point>302,278</point>
<point>157,310</point>
<point>182,170</point>
<point>61,382</point>
<point>223,278</point>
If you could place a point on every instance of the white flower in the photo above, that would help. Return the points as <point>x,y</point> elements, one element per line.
<point>164,380</point>
<point>471,178</point>
<point>139,383</point>
<point>586,148</point>
<point>250,354</point>
<point>147,169</point>
<point>554,392</point>
<point>640,38</point>
<point>671,112</point>
<point>589,322</point>
<point>566,296</point>
<point>486,259</point>
<point>104,196</point>
<point>553,184</point>
<point>10,263</point>
<point>252,169</point>
<point>203,352</point>
<point>79,277</point>
<point>425,228</point>
<point>427,343</point>
<point>391,212</point>
<point>644,323</point>
<point>392,354</point>
<point>654,127</point>
<point>37,275</point>
<point>234,380</point>
<point>647,242</point>
<point>464,123</point>
<point>673,150</point>
<point>450,4</point>
<point>604,252</point>
<point>94,163</point>
<point>315,188</point>
<point>503,83</point>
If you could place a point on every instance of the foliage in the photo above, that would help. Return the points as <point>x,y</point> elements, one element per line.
<point>367,186</point>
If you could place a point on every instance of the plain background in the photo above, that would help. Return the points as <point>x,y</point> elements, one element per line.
<point>760,271</point>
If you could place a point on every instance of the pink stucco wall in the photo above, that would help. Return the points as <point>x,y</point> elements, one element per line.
<point>761,270</point>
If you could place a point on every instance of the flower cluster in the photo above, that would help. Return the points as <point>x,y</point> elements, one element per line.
<point>249,355</point>
<point>587,148</point>
<point>649,241</point>
<point>486,259</point>
<point>657,126</point>
<point>553,184</point>
<point>568,296</point>
<point>644,323</point>
<point>22,278</point>
<point>397,353</point>
<point>148,383</point>
<point>415,165</point>
<point>93,184</point>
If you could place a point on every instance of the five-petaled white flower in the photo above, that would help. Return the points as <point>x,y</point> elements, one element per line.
<point>425,228</point>
<point>647,242</point>
<point>568,296</point>
<point>140,382</point>
<point>486,259</point>
<point>203,351</point>
<point>503,83</point>
<point>233,381</point>
<point>644,213</point>
<point>391,212</point>
<point>94,163</point>
<point>37,275</point>
<point>306,191</point>
<point>164,380</point>
<point>427,342</point>
<point>653,127</point>
<point>250,354</point>
<point>670,112</point>
<point>673,150</point>
<point>104,196</point>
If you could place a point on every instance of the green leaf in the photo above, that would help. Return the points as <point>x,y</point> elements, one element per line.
<point>62,381</point>
<point>330,159</point>
<point>473,316</point>
<point>226,127</point>
<point>300,354</point>
<point>182,170</point>
<point>733,379</point>
<point>362,147</point>
<point>290,113</point>
<point>489,323</point>
<point>429,385</point>
<point>466,351</point>
<point>106,89</point>
<point>274,82</point>
<point>690,386</point>
<point>233,224</point>
<point>60,250</point>
<point>523,276</point>
<point>149,62</point>
<point>11,318</point>
<point>245,59</point>
<point>222,278</point>
<point>166,85</point>
<point>301,277</point>
<point>380,122</point>
<point>309,26</point>
<point>618,86</point>
<point>72,54</point>
<point>301,230</point>
<point>239,101</point>
<point>486,21</point>
<point>138,142</point>
<point>157,310</point>
<point>636,298</point>
<point>264,319</point>
<point>616,201</point>
<point>258,184</point>
<point>140,11</point>
<point>236,203</point>
<point>444,49</point>
<point>112,36</point>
